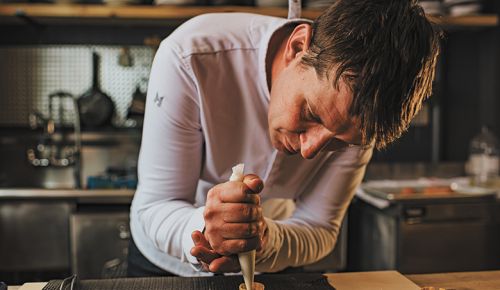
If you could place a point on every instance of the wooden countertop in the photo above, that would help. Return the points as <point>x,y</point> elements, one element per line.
<point>381,280</point>
<point>391,280</point>
<point>487,280</point>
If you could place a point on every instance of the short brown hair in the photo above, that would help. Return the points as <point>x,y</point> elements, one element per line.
<point>387,51</point>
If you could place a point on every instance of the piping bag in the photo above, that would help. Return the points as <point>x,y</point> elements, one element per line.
<point>247,259</point>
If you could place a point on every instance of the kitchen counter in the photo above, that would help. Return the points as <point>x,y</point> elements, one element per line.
<point>389,280</point>
<point>81,195</point>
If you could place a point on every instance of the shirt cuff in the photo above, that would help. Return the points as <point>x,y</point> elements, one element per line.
<point>196,222</point>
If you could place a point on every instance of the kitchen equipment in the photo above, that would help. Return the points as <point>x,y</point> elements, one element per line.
<point>125,58</point>
<point>114,177</point>
<point>463,7</point>
<point>430,230</point>
<point>51,152</point>
<point>35,239</point>
<point>420,192</point>
<point>483,161</point>
<point>96,108</point>
<point>135,112</point>
<point>93,257</point>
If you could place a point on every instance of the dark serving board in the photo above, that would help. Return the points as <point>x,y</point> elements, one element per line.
<point>296,281</point>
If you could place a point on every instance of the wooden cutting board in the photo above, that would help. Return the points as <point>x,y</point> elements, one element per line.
<point>382,280</point>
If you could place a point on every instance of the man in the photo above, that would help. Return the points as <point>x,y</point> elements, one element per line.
<point>301,104</point>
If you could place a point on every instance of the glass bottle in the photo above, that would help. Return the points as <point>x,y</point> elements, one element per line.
<point>483,162</point>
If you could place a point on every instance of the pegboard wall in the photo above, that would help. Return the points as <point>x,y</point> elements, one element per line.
<point>29,74</point>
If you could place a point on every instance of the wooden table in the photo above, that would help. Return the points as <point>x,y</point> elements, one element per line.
<point>392,280</point>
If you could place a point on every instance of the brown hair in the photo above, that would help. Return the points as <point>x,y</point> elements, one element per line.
<point>387,51</point>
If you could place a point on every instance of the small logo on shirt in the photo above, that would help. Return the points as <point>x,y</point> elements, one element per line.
<point>158,100</point>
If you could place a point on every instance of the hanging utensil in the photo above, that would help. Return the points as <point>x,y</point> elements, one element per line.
<point>96,108</point>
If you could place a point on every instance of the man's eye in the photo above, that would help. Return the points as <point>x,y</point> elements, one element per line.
<point>307,113</point>
<point>311,116</point>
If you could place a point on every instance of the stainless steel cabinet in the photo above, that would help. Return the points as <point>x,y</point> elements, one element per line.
<point>423,236</point>
<point>34,239</point>
<point>99,243</point>
<point>48,235</point>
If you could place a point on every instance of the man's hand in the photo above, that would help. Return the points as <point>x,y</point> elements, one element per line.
<point>233,224</point>
<point>209,259</point>
<point>233,216</point>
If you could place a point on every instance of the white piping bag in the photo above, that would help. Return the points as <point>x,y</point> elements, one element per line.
<point>247,259</point>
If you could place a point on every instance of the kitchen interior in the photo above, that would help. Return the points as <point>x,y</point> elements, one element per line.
<point>429,203</point>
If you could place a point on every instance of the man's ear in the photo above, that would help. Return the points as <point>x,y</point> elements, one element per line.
<point>298,42</point>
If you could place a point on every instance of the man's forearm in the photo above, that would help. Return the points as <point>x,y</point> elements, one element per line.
<point>293,244</point>
<point>169,225</point>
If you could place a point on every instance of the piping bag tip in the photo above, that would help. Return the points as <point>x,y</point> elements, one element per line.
<point>247,263</point>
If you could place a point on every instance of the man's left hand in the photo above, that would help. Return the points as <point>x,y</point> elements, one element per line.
<point>209,259</point>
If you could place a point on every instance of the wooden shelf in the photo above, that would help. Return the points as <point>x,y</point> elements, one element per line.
<point>164,12</point>
<point>135,12</point>
<point>466,21</point>
<point>157,14</point>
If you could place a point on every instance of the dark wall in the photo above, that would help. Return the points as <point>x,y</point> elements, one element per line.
<point>26,33</point>
<point>466,97</point>
<point>471,89</point>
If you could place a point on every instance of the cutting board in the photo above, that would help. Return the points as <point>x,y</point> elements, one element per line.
<point>382,280</point>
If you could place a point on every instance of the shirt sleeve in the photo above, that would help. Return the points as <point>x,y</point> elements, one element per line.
<point>170,156</point>
<point>311,232</point>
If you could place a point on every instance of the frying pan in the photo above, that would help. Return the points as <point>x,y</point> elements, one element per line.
<point>96,108</point>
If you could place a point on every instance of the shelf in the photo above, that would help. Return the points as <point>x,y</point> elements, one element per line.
<point>466,21</point>
<point>64,13</point>
<point>46,12</point>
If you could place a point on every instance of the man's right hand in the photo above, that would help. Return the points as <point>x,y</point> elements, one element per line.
<point>233,216</point>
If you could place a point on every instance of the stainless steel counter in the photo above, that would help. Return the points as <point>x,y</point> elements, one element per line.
<point>76,231</point>
<point>98,195</point>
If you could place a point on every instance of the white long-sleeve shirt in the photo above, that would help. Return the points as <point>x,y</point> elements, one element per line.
<point>206,111</point>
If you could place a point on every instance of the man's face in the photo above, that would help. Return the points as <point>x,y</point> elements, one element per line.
<point>308,115</point>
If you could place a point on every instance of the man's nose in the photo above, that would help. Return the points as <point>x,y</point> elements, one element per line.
<point>312,141</point>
